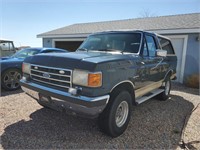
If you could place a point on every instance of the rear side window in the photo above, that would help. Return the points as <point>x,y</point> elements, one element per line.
<point>166,45</point>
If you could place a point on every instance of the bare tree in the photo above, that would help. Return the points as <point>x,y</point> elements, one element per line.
<point>147,13</point>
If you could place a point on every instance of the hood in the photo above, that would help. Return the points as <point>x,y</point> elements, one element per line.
<point>10,62</point>
<point>10,59</point>
<point>4,58</point>
<point>80,60</point>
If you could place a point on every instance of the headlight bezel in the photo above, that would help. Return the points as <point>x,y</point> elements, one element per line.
<point>26,68</point>
<point>84,78</point>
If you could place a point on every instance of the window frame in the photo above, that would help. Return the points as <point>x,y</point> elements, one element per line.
<point>155,42</point>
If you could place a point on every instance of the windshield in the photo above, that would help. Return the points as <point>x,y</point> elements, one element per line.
<point>123,42</point>
<point>25,53</point>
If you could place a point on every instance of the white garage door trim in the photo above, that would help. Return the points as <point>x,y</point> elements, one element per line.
<point>185,37</point>
<point>67,40</point>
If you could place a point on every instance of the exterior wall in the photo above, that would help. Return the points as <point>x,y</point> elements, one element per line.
<point>192,56</point>
<point>191,67</point>
<point>47,42</point>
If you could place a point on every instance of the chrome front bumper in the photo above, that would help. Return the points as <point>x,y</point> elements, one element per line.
<point>89,107</point>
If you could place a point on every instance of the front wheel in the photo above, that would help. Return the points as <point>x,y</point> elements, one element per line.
<point>115,118</point>
<point>167,87</point>
<point>10,79</point>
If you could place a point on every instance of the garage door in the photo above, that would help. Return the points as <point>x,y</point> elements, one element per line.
<point>180,46</point>
<point>68,45</point>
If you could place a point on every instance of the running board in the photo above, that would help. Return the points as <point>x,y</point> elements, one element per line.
<point>148,96</point>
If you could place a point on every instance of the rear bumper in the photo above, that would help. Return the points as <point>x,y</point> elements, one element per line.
<point>89,107</point>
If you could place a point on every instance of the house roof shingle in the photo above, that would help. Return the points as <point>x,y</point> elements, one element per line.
<point>184,21</point>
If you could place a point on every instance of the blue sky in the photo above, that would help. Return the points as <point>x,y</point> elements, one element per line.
<point>22,20</point>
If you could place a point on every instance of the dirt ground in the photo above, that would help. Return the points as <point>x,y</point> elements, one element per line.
<point>24,124</point>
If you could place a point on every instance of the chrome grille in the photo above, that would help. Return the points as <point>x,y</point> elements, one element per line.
<point>51,76</point>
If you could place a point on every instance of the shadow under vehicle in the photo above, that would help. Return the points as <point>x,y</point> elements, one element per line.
<point>154,125</point>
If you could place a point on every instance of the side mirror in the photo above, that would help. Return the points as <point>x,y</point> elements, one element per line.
<point>161,53</point>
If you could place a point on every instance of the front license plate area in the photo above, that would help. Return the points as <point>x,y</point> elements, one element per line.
<point>44,98</point>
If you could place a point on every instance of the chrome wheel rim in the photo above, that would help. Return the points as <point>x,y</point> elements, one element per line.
<point>167,88</point>
<point>11,79</point>
<point>121,114</point>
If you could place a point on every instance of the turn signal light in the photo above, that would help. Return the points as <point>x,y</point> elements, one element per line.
<point>94,80</point>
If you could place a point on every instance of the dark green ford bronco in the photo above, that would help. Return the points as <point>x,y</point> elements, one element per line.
<point>107,75</point>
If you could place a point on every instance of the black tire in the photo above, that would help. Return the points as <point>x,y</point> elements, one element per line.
<point>109,121</point>
<point>45,105</point>
<point>41,104</point>
<point>167,87</point>
<point>10,79</point>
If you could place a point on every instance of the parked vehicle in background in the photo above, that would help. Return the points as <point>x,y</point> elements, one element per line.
<point>22,47</point>
<point>7,47</point>
<point>110,72</point>
<point>11,67</point>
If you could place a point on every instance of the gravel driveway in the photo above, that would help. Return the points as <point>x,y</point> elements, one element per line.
<point>154,125</point>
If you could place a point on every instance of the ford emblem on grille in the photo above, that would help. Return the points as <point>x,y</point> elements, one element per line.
<point>46,75</point>
<point>62,72</point>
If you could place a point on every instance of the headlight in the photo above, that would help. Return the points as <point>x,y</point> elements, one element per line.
<point>85,78</point>
<point>26,68</point>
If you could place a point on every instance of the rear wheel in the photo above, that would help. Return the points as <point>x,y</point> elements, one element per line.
<point>115,118</point>
<point>10,79</point>
<point>167,87</point>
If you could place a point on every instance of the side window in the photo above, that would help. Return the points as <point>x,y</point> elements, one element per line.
<point>151,45</point>
<point>166,45</point>
<point>145,50</point>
